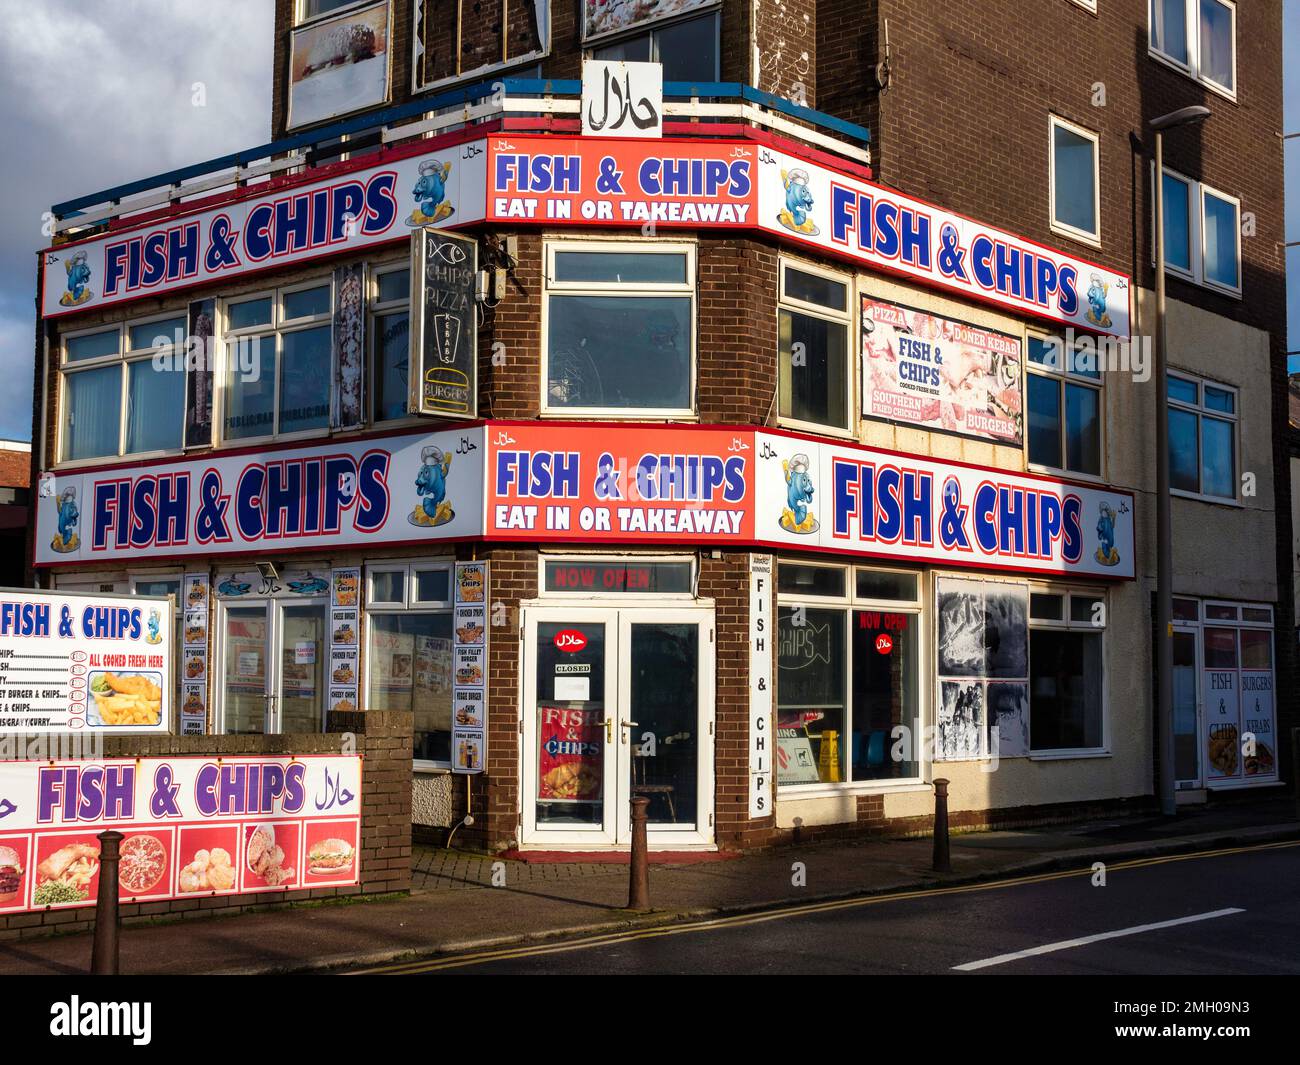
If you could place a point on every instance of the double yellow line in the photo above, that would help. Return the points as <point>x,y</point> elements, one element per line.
<point>532,950</point>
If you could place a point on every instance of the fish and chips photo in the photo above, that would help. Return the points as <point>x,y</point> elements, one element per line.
<point>127,698</point>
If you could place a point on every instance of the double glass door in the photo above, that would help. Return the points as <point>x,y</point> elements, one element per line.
<point>618,703</point>
<point>273,658</point>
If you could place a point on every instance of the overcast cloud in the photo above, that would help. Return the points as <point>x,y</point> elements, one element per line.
<point>98,94</point>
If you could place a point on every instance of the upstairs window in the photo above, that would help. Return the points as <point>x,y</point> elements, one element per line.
<point>687,49</point>
<point>1202,437</point>
<point>1199,37</point>
<point>1075,181</point>
<point>620,328</point>
<point>1202,233</point>
<point>1065,404</point>
<point>390,342</point>
<point>813,333</point>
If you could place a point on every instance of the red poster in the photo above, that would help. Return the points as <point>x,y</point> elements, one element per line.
<point>571,754</point>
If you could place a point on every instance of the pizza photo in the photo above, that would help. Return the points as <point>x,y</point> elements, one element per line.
<point>142,865</point>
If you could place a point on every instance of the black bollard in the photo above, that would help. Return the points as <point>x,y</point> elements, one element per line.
<point>638,891</point>
<point>104,953</point>
<point>942,862</point>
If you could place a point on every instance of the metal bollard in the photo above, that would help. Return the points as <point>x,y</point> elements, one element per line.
<point>638,891</point>
<point>942,862</point>
<point>104,952</point>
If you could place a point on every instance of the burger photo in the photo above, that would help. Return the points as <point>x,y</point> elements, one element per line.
<point>328,857</point>
<point>11,874</point>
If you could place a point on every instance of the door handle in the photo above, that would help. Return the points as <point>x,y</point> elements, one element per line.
<point>627,724</point>
<point>609,729</point>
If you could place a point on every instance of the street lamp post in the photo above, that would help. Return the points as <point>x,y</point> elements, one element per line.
<point>1164,520</point>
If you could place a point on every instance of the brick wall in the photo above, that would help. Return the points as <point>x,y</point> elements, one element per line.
<point>384,741</point>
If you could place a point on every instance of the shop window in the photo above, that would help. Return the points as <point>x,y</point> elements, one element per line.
<point>389,342</point>
<point>1199,37</point>
<point>123,392</point>
<point>590,576</point>
<point>813,334</point>
<point>1202,233</point>
<point>687,49</point>
<point>847,681</point>
<point>1202,437</point>
<point>1066,671</point>
<point>1065,408</point>
<point>409,651</point>
<point>278,363</point>
<point>1075,181</point>
<point>620,328</point>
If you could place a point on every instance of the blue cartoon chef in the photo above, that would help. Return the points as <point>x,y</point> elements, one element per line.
<point>434,507</point>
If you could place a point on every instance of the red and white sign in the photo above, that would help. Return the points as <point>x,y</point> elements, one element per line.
<point>193,827</point>
<point>570,641</point>
<point>884,644</point>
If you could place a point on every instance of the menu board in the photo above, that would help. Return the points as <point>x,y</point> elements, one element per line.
<point>469,659</point>
<point>444,324</point>
<point>194,642</point>
<point>70,661</point>
<point>345,598</point>
<point>192,827</point>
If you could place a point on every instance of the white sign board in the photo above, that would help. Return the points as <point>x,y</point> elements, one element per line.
<point>622,99</point>
<point>760,685</point>
<point>72,661</point>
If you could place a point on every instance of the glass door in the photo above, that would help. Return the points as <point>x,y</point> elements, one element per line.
<point>570,671</point>
<point>303,638</point>
<point>245,695</point>
<point>1187,729</point>
<point>665,725</point>
<point>619,703</point>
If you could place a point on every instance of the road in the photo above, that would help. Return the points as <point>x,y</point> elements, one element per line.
<point>1224,912</point>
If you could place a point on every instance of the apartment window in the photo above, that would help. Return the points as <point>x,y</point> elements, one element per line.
<point>1064,397</point>
<point>688,49</point>
<point>1066,670</point>
<point>409,650</point>
<point>310,9</point>
<point>1202,233</point>
<point>1075,180</point>
<point>1202,437</point>
<point>123,393</point>
<point>278,362</point>
<point>389,342</point>
<point>620,329</point>
<point>813,331</point>
<point>1199,37</point>
<point>848,651</point>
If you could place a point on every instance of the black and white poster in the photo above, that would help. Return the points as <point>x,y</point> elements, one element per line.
<point>983,669</point>
<point>201,354</point>
<point>349,341</point>
<point>444,324</point>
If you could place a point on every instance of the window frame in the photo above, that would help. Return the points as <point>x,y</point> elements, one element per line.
<point>578,559</point>
<point>301,18</point>
<point>846,605</point>
<point>820,311</point>
<point>1201,411</point>
<point>589,47</point>
<point>1064,228</point>
<point>408,605</point>
<point>375,308</point>
<point>688,288</point>
<point>1192,28</point>
<point>1067,624</point>
<point>123,358</point>
<point>276,329</point>
<point>1063,377</point>
<point>1196,232</point>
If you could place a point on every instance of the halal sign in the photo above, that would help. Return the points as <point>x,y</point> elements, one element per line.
<point>570,641</point>
<point>884,644</point>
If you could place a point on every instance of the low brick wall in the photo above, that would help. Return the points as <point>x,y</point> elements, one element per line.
<point>383,739</point>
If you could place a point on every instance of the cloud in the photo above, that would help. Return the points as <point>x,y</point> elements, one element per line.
<point>96,95</point>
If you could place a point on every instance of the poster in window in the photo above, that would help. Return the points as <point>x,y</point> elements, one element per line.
<point>1259,741</point>
<point>602,17</point>
<point>1222,723</point>
<point>936,373</point>
<point>349,344</point>
<point>571,754</point>
<point>961,720</point>
<point>444,325</point>
<point>339,65</point>
<point>468,664</point>
<point>1008,714</point>
<point>961,628</point>
<point>200,353</point>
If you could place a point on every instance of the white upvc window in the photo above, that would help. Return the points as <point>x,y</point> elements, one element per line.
<point>619,329</point>
<point>1066,409</point>
<point>1067,670</point>
<point>123,392</point>
<point>1202,233</point>
<point>390,341</point>
<point>1074,180</point>
<point>815,381</point>
<point>1203,437</point>
<point>1198,37</point>
<point>309,10</point>
<point>278,362</point>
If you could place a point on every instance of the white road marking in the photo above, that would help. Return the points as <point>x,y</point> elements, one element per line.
<point>1083,941</point>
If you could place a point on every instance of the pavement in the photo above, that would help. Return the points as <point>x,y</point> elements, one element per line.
<point>462,902</point>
